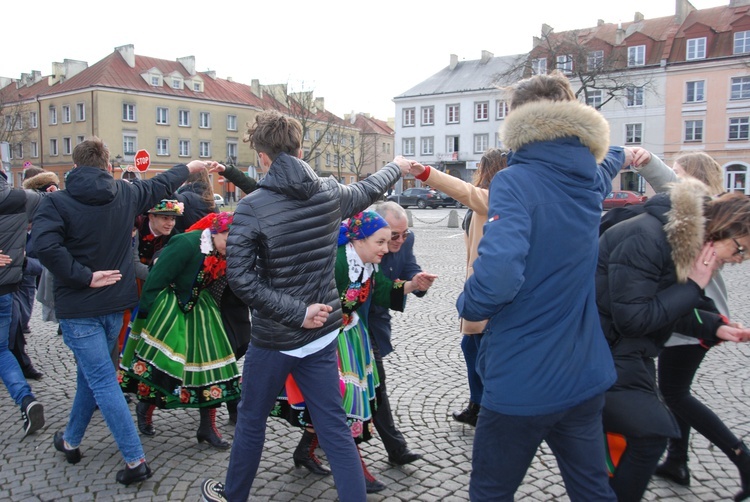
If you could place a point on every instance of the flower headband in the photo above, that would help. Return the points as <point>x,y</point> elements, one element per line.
<point>168,207</point>
<point>215,222</point>
<point>360,226</point>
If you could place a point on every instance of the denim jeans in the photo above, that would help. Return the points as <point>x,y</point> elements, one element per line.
<point>505,445</point>
<point>92,339</point>
<point>470,348</point>
<point>263,376</point>
<point>10,371</point>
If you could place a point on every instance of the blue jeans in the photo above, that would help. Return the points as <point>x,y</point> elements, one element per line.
<point>317,375</point>
<point>10,371</point>
<point>505,445</point>
<point>470,348</point>
<point>92,339</point>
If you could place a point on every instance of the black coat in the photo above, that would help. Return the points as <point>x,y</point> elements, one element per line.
<point>88,227</point>
<point>282,247</point>
<point>641,302</point>
<point>195,207</point>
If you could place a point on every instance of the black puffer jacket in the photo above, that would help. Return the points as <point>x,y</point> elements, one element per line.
<point>642,288</point>
<point>282,247</point>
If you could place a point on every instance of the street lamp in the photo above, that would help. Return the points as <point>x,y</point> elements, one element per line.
<point>116,162</point>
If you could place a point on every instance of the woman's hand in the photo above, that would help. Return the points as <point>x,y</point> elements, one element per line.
<point>704,265</point>
<point>416,168</point>
<point>732,333</point>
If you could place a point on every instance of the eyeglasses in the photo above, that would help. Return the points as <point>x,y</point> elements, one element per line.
<point>396,236</point>
<point>740,249</point>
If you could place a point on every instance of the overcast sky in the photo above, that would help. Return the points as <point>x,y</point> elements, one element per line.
<point>356,55</point>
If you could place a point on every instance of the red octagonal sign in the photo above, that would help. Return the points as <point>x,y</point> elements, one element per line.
<point>142,160</point>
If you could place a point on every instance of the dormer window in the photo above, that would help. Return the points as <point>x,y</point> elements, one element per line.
<point>742,42</point>
<point>176,83</point>
<point>153,77</point>
<point>637,55</point>
<point>696,48</point>
<point>155,81</point>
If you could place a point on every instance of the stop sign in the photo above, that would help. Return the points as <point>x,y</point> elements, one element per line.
<point>142,160</point>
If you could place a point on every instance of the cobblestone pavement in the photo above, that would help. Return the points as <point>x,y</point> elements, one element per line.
<point>427,381</point>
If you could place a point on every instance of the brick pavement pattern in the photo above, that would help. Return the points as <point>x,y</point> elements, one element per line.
<point>427,381</point>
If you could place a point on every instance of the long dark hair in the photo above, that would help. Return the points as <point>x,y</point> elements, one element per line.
<point>493,160</point>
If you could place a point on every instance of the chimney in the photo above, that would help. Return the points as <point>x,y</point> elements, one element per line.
<point>188,62</point>
<point>229,79</point>
<point>738,3</point>
<point>546,30</point>
<point>5,81</point>
<point>256,88</point>
<point>454,62</point>
<point>682,9</point>
<point>352,117</point>
<point>638,17</point>
<point>619,35</point>
<point>210,74</point>
<point>128,54</point>
<point>486,56</point>
<point>320,104</point>
<point>599,22</point>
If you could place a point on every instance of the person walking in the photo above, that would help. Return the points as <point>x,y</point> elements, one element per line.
<point>280,262</point>
<point>82,235</point>
<point>17,207</point>
<point>543,360</point>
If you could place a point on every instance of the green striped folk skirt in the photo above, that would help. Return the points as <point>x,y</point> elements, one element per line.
<point>175,359</point>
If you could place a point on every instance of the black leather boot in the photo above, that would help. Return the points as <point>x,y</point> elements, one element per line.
<point>144,413</point>
<point>232,411</point>
<point>468,415</point>
<point>742,461</point>
<point>675,466</point>
<point>207,430</point>
<point>304,454</point>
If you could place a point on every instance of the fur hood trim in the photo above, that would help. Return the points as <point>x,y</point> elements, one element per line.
<point>548,120</point>
<point>41,180</point>
<point>686,224</point>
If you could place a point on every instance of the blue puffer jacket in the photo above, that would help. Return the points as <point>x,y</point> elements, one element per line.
<point>543,349</point>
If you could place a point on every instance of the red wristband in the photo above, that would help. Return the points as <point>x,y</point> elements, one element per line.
<point>424,175</point>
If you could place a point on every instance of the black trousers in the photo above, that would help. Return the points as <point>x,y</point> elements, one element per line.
<point>392,438</point>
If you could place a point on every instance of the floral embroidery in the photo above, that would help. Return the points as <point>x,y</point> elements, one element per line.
<point>184,395</point>
<point>356,428</point>
<point>139,368</point>
<point>149,238</point>
<point>215,392</point>
<point>214,266</point>
<point>143,389</point>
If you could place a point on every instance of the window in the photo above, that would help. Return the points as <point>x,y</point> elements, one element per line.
<point>80,112</point>
<point>184,148</point>
<point>128,145</point>
<point>66,117</point>
<point>408,147</point>
<point>633,134</point>
<point>176,83</point>
<point>481,142</point>
<point>232,152</point>
<point>595,98</point>
<point>451,144</point>
<point>452,115</point>
<point>635,95</point>
<point>67,146</point>
<point>155,80</point>
<point>8,123</point>
<point>742,42</point>
<point>317,162</point>
<point>539,66</point>
<point>502,109</point>
<point>428,115</point>
<point>232,123</point>
<point>739,128</point>
<point>128,112</point>
<point>351,140</point>
<point>328,159</point>
<point>197,86</point>
<point>33,120</point>
<point>183,118</point>
<point>34,149</point>
<point>79,140</point>
<point>205,120</point>
<point>428,146</point>
<point>695,91</point>
<point>693,130</point>
<point>162,115</point>
<point>19,151</point>
<point>481,111</point>
<point>637,55</point>
<point>696,48</point>
<point>565,63</point>
<point>306,135</point>
<point>317,135</point>
<point>162,146</point>
<point>205,149</point>
<point>595,60</point>
<point>328,137</point>
<point>53,147</point>
<point>52,115</point>
<point>740,88</point>
<point>409,117</point>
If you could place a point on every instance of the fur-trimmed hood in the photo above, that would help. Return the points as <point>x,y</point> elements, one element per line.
<point>41,181</point>
<point>548,120</point>
<point>686,222</point>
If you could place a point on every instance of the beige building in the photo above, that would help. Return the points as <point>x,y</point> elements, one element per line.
<point>165,107</point>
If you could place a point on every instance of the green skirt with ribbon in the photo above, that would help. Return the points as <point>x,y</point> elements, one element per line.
<point>177,359</point>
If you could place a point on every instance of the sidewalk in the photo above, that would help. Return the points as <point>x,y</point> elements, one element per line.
<point>426,381</point>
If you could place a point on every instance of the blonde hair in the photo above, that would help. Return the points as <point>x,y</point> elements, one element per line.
<point>704,168</point>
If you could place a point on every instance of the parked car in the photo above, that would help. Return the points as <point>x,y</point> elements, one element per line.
<point>219,200</point>
<point>448,201</point>
<point>420,197</point>
<point>621,198</point>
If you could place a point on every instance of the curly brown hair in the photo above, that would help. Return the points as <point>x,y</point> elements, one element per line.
<point>273,133</point>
